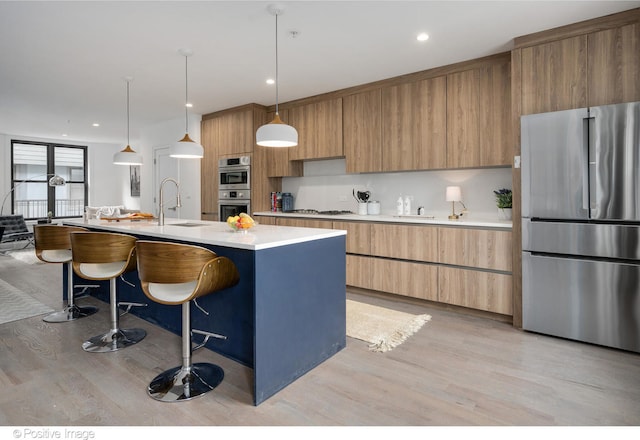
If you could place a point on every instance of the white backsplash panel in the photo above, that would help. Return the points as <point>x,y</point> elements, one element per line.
<point>327,186</point>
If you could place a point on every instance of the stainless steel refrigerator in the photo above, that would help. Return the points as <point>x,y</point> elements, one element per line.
<point>581,224</point>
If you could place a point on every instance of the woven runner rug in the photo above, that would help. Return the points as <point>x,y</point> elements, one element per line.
<point>16,304</point>
<point>384,329</point>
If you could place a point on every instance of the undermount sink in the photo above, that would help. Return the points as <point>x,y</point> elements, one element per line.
<point>188,225</point>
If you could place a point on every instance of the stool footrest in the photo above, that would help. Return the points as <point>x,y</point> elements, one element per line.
<point>206,335</point>
<point>129,306</point>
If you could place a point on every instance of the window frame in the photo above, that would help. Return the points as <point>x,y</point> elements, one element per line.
<point>51,166</point>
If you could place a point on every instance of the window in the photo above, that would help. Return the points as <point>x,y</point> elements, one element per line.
<point>33,164</point>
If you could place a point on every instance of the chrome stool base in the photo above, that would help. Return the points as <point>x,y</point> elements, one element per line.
<point>70,313</point>
<point>114,340</point>
<point>185,383</point>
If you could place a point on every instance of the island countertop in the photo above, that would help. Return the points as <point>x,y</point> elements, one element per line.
<point>213,233</point>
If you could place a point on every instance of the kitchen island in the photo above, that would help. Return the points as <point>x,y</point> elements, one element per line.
<point>285,316</point>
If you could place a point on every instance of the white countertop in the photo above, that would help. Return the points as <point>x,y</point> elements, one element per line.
<point>472,222</point>
<point>214,233</point>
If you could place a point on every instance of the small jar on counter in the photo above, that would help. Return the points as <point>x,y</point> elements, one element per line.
<point>373,207</point>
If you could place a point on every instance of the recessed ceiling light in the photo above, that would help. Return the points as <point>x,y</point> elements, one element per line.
<point>271,81</point>
<point>64,135</point>
<point>188,104</point>
<point>422,36</point>
<point>95,124</point>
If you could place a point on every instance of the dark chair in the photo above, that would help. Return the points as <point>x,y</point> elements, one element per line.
<point>107,256</point>
<point>53,245</point>
<point>177,274</point>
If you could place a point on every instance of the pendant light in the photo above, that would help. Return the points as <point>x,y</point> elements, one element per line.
<point>127,156</point>
<point>186,148</point>
<point>276,133</point>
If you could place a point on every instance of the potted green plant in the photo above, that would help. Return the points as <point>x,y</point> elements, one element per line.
<point>503,202</point>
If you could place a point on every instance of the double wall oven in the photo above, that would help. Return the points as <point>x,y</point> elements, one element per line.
<point>234,186</point>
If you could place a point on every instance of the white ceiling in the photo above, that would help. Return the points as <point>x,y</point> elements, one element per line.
<point>63,63</point>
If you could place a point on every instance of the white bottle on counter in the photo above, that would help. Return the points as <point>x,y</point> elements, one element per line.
<point>399,206</point>
<point>407,205</point>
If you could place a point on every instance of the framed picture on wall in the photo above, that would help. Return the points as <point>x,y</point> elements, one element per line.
<point>134,176</point>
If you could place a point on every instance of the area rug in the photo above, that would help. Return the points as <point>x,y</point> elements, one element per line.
<point>384,329</point>
<point>26,256</point>
<point>18,305</point>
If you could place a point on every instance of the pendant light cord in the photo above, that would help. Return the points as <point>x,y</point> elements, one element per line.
<point>186,95</point>
<point>277,62</point>
<point>128,143</point>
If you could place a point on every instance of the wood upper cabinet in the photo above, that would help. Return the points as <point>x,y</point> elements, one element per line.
<point>478,117</point>
<point>237,133</point>
<point>319,126</point>
<point>362,131</point>
<point>414,125</point>
<point>614,65</point>
<point>554,76</point>
<point>209,133</point>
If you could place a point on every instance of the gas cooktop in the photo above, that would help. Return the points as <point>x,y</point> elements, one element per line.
<point>315,211</point>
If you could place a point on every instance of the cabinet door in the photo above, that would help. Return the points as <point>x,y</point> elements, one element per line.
<point>359,271</point>
<point>481,248</point>
<point>362,132</point>
<point>209,169</point>
<point>614,65</point>
<point>319,126</point>
<point>495,115</point>
<point>463,119</point>
<point>416,280</point>
<point>419,243</point>
<point>358,236</point>
<point>304,223</point>
<point>479,290</point>
<point>554,76</point>
<point>237,133</point>
<point>414,125</point>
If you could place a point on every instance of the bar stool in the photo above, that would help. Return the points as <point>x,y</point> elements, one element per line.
<point>53,245</point>
<point>172,273</point>
<point>107,256</point>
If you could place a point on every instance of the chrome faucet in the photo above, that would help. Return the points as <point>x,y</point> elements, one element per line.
<point>178,204</point>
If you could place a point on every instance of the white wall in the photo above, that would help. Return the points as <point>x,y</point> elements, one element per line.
<point>108,183</point>
<point>326,186</point>
<point>162,135</point>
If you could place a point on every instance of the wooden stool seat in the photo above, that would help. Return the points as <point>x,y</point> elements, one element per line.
<point>107,256</point>
<point>177,274</point>
<point>53,245</point>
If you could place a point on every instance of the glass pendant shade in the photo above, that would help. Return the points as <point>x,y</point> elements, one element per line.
<point>277,134</point>
<point>186,148</point>
<point>57,181</point>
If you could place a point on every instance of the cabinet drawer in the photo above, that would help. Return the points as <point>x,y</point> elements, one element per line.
<point>487,291</point>
<point>486,249</point>
<point>359,271</point>
<point>358,236</point>
<point>304,223</point>
<point>418,243</point>
<point>404,278</point>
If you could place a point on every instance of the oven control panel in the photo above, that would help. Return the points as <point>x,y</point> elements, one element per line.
<point>233,195</point>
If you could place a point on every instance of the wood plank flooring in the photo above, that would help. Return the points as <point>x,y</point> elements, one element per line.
<point>458,370</point>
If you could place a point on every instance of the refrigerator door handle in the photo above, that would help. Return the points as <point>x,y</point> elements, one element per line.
<point>586,123</point>
<point>593,168</point>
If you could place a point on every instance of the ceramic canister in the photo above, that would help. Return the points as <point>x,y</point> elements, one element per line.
<point>373,207</point>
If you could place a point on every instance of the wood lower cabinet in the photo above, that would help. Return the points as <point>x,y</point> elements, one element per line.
<point>488,291</point>
<point>419,243</point>
<point>304,223</point>
<point>416,280</point>
<point>481,248</point>
<point>359,272</point>
<point>358,236</point>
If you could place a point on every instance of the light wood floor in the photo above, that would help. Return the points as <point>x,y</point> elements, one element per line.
<point>457,370</point>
